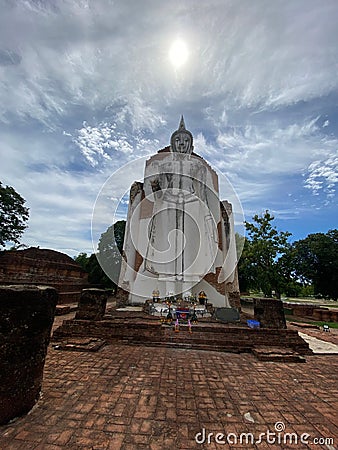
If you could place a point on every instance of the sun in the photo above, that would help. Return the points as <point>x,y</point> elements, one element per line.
<point>178,53</point>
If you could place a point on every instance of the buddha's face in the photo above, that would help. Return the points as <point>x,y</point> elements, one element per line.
<point>182,143</point>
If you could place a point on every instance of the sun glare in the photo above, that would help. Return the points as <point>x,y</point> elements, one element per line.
<point>178,53</point>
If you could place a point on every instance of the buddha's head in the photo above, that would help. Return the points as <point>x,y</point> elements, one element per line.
<point>181,140</point>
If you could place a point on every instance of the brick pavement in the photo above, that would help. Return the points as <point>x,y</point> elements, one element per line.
<point>135,398</point>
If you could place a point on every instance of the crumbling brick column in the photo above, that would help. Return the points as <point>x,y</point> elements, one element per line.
<point>92,304</point>
<point>26,318</point>
<point>326,315</point>
<point>269,312</point>
<point>121,297</point>
<point>333,316</point>
<point>235,300</point>
<point>317,314</point>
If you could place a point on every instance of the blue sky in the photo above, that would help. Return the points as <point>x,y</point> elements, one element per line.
<point>87,87</point>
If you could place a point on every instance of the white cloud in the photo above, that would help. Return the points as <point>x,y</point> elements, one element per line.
<point>75,53</point>
<point>93,141</point>
<point>140,115</point>
<point>271,148</point>
<point>106,140</point>
<point>323,175</point>
<point>262,159</point>
<point>252,92</point>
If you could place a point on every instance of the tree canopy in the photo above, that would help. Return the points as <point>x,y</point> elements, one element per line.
<point>269,263</point>
<point>13,215</point>
<point>95,273</point>
<point>109,253</point>
<point>314,260</point>
<point>259,267</point>
<point>110,249</point>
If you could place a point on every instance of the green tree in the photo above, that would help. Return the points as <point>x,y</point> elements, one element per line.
<point>82,260</point>
<point>245,274</point>
<point>259,266</point>
<point>110,249</point>
<point>314,260</point>
<point>13,215</point>
<point>108,259</point>
<point>95,273</point>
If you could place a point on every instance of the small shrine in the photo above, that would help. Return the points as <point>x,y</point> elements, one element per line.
<point>184,310</point>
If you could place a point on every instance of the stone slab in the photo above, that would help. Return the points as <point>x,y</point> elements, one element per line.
<point>80,345</point>
<point>318,346</point>
<point>131,308</point>
<point>227,315</point>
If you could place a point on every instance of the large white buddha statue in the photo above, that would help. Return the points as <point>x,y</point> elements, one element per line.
<point>178,233</point>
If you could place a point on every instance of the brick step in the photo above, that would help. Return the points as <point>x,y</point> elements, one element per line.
<point>187,342</point>
<point>282,358</point>
<point>234,348</point>
<point>193,346</point>
<point>212,337</point>
<point>277,354</point>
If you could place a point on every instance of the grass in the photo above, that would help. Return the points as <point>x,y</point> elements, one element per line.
<point>308,300</point>
<point>311,301</point>
<point>330,324</point>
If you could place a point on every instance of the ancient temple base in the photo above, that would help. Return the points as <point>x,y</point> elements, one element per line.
<point>138,329</point>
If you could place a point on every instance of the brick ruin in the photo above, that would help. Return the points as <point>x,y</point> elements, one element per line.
<point>315,312</point>
<point>26,318</point>
<point>35,266</point>
<point>92,304</point>
<point>269,312</point>
<point>140,328</point>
